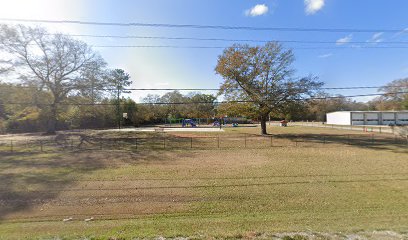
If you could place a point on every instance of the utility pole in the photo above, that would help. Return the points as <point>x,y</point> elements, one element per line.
<point>118,107</point>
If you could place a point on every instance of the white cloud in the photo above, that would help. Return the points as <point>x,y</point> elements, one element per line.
<point>313,6</point>
<point>377,35</point>
<point>376,38</point>
<point>344,40</point>
<point>403,31</point>
<point>325,55</point>
<point>257,10</point>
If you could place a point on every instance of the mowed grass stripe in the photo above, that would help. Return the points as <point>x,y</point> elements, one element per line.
<point>339,212</point>
<point>221,186</point>
<point>223,178</point>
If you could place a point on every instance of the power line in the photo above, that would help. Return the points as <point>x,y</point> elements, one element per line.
<point>224,39</point>
<point>199,26</point>
<point>207,89</point>
<point>217,89</point>
<point>204,102</point>
<point>342,47</point>
<point>224,47</point>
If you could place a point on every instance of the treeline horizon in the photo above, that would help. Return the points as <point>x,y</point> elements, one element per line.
<point>27,109</point>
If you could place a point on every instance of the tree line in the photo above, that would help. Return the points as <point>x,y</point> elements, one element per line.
<point>63,83</point>
<point>78,112</point>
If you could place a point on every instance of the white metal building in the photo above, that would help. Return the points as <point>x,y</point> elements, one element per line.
<point>368,118</point>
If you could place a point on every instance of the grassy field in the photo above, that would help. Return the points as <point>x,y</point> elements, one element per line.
<point>337,189</point>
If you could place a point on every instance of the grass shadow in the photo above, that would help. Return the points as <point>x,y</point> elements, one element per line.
<point>29,180</point>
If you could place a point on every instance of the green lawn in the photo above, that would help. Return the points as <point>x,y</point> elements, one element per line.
<point>203,193</point>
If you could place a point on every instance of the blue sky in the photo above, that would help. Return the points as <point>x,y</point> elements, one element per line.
<point>193,68</point>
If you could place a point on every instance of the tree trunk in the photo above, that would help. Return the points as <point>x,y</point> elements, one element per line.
<point>263,124</point>
<point>52,121</point>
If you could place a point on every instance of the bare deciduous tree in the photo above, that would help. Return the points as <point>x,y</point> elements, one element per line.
<point>54,62</point>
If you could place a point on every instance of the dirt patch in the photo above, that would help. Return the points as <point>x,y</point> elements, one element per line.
<point>378,235</point>
<point>188,135</point>
<point>25,137</point>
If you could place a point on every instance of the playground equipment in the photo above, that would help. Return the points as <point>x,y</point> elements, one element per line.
<point>186,122</point>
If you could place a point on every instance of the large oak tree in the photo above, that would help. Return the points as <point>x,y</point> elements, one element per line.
<point>396,96</point>
<point>264,76</point>
<point>55,62</point>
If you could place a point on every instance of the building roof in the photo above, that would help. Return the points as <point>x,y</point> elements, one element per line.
<point>402,111</point>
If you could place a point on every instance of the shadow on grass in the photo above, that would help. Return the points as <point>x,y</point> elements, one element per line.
<point>29,180</point>
<point>25,177</point>
<point>368,141</point>
<point>136,142</point>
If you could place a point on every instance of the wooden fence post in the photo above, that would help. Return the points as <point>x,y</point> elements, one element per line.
<point>11,146</point>
<point>218,144</point>
<point>271,141</point>
<point>191,142</point>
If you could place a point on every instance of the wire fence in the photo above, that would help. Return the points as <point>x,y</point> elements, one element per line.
<point>200,142</point>
<point>361,128</point>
